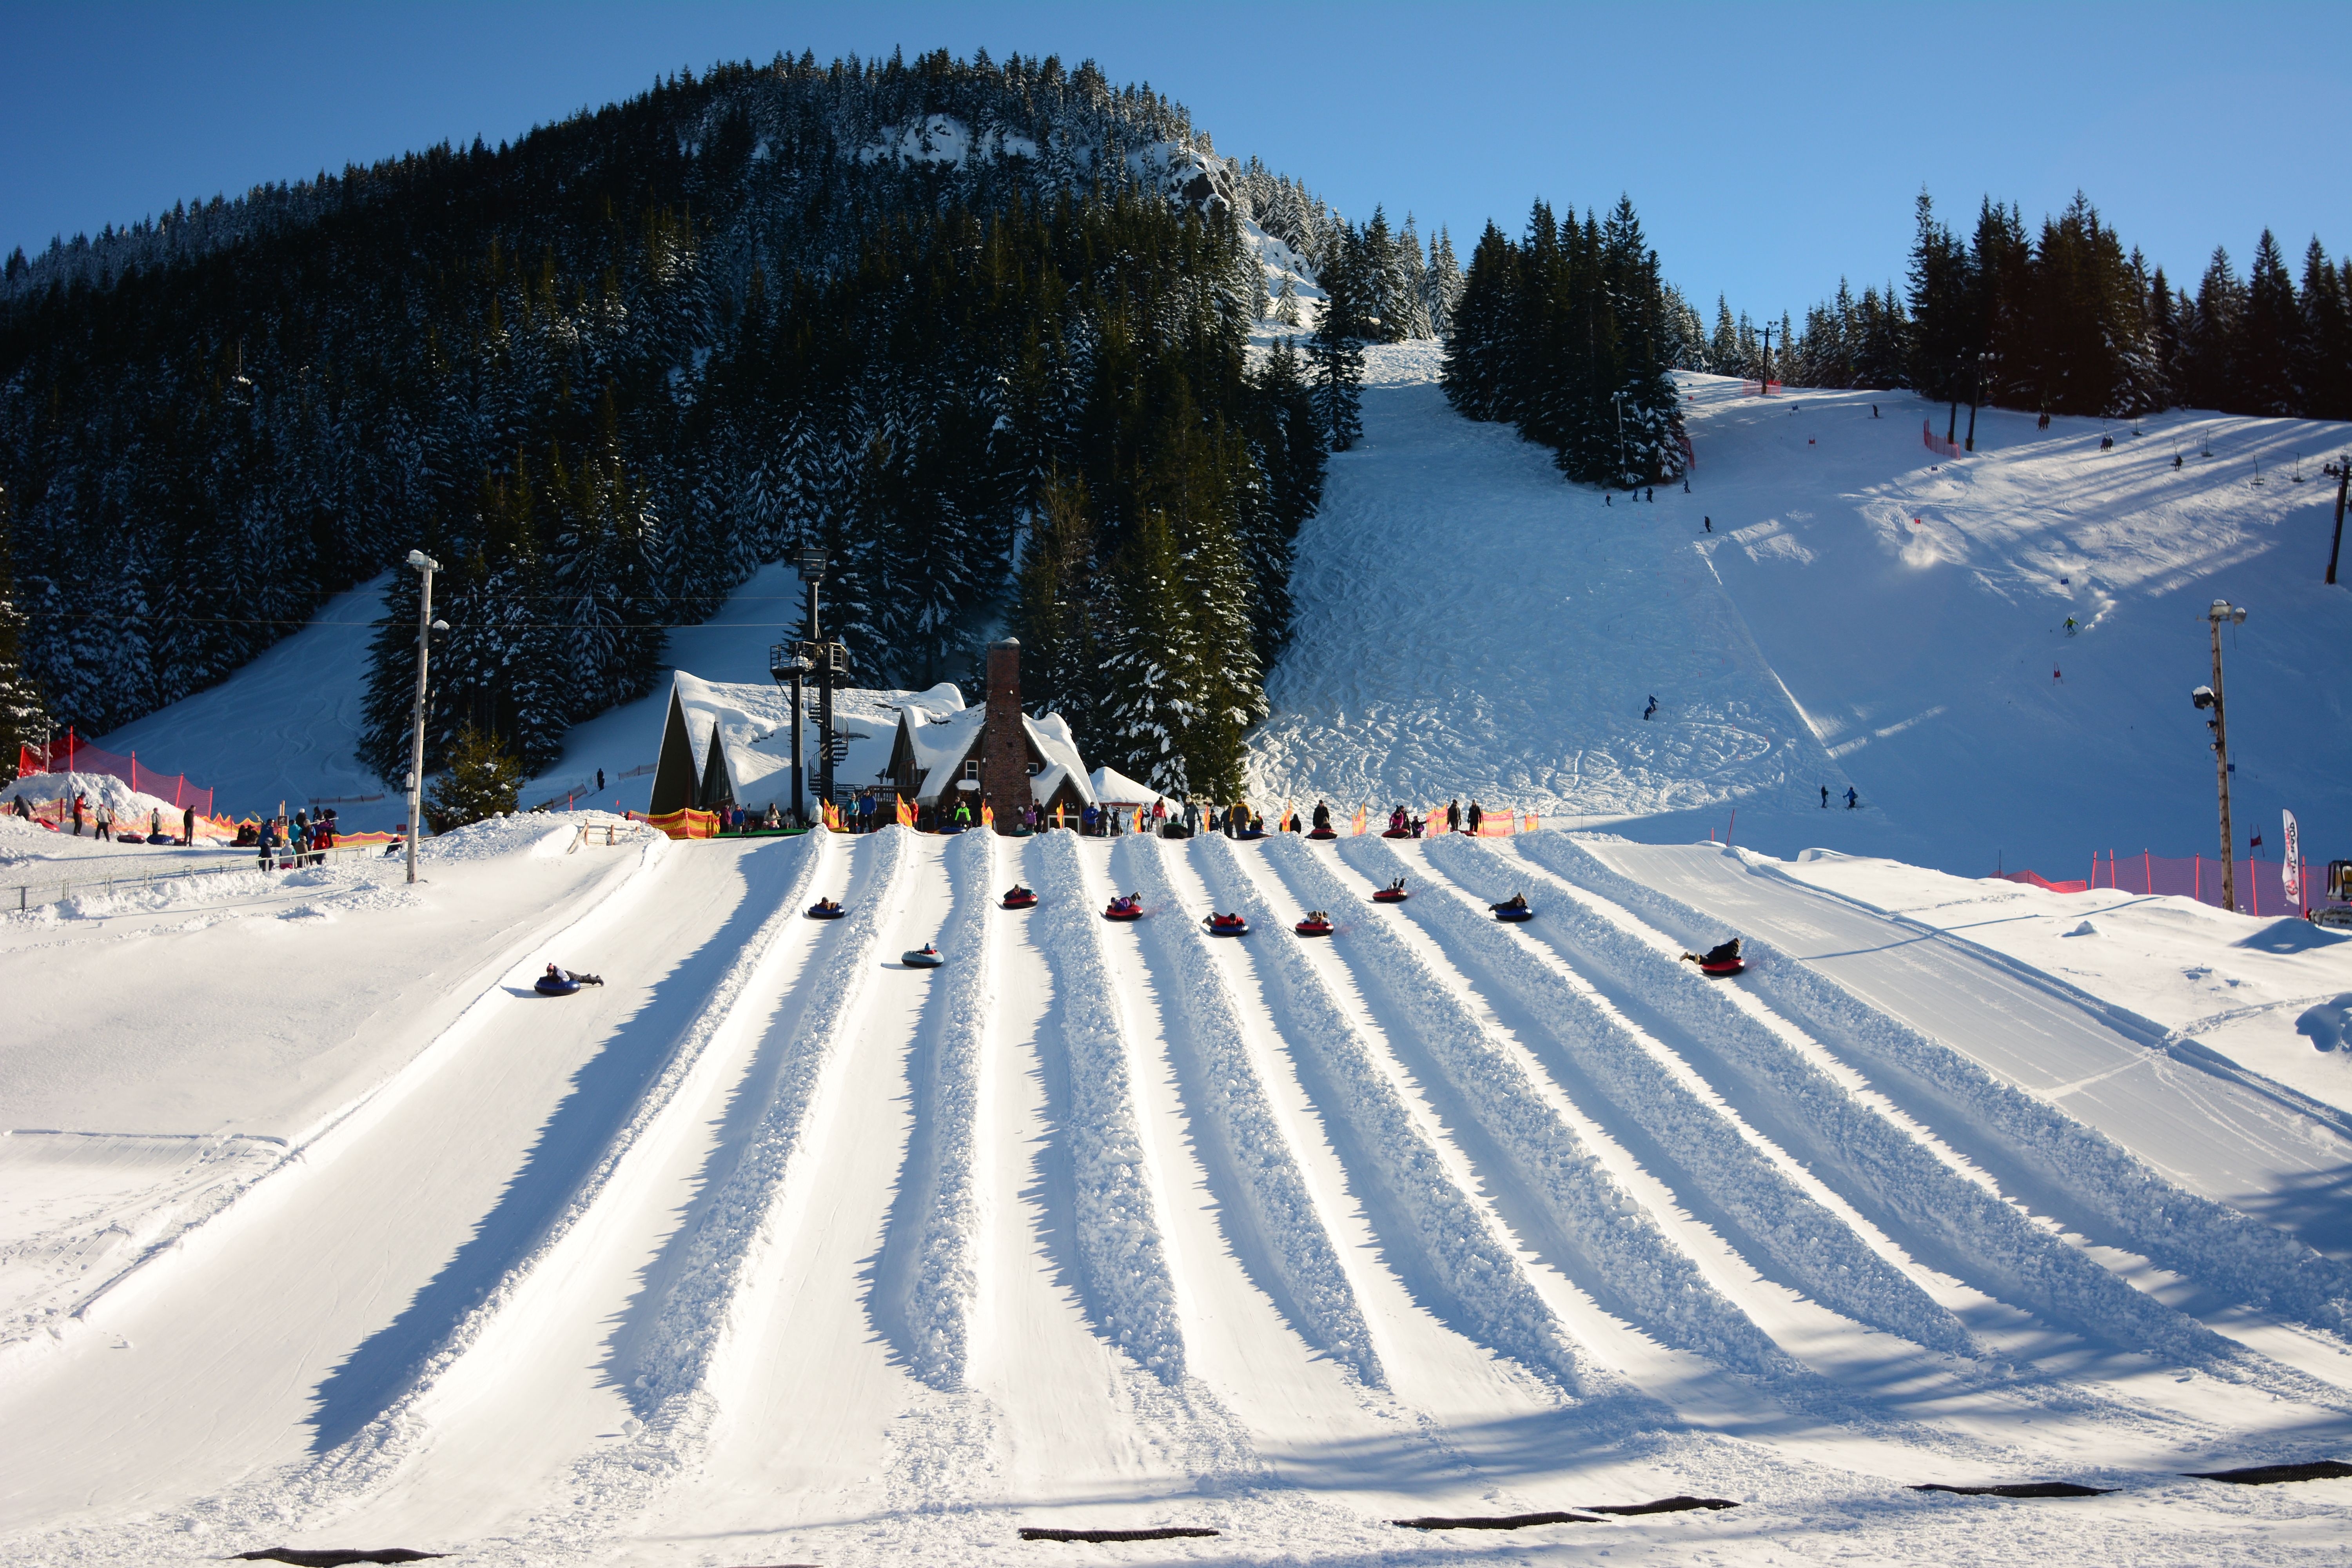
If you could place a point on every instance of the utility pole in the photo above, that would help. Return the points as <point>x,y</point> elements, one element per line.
<point>2343,477</point>
<point>2210,697</point>
<point>1952,424</point>
<point>424,566</point>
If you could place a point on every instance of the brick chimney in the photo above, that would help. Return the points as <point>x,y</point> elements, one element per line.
<point>1004,744</point>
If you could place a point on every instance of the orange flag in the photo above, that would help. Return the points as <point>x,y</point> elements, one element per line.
<point>905,811</point>
<point>1359,821</point>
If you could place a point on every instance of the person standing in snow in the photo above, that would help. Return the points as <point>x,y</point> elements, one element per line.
<point>1453,815</point>
<point>1650,494</point>
<point>80,800</point>
<point>1853,801</point>
<point>1476,816</point>
<point>600,781</point>
<point>188,826</point>
<point>1707,523</point>
<point>1825,797</point>
<point>106,820</point>
<point>1653,708</point>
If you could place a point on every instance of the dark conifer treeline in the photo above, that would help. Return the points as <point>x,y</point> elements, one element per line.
<point>1569,335</point>
<point>2067,321</point>
<point>604,373</point>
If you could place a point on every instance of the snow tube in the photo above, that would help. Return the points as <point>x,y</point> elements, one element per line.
<point>1019,898</point>
<point>1390,896</point>
<point>924,957</point>
<point>161,838</point>
<point>818,913</point>
<point>1515,916</point>
<point>1115,913</point>
<point>1313,928</point>
<point>1397,833</point>
<point>1323,832</point>
<point>1249,834</point>
<point>1219,925</point>
<point>1723,971</point>
<point>548,985</point>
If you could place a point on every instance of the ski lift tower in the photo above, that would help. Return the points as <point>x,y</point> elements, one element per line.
<point>813,655</point>
<point>2210,697</point>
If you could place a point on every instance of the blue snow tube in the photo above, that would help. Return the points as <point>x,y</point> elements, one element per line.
<point>548,985</point>
<point>818,913</point>
<point>1514,916</point>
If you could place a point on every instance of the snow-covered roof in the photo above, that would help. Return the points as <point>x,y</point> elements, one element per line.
<point>1115,788</point>
<point>941,736</point>
<point>756,724</point>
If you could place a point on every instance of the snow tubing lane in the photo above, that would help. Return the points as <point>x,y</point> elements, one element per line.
<point>1172,1532</point>
<point>2018,1489</point>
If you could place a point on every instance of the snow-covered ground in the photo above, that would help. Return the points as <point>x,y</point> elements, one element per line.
<point>318,1227</point>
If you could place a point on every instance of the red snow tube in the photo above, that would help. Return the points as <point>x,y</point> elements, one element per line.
<point>1313,928</point>
<point>1723,970</point>
<point>1227,925</point>
<point>1390,896</point>
<point>1397,833</point>
<point>1323,832</point>
<point>1123,912</point>
<point>1019,898</point>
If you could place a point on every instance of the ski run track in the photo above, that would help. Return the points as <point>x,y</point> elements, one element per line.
<point>775,1250</point>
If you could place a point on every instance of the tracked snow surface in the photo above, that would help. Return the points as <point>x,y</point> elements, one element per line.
<point>321,1229</point>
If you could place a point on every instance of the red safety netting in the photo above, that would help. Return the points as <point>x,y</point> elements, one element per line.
<point>69,754</point>
<point>1760,389</point>
<point>1936,443</point>
<point>2261,889</point>
<point>2031,880</point>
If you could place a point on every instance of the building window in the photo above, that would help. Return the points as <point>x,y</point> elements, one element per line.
<point>1035,768</point>
<point>971,769</point>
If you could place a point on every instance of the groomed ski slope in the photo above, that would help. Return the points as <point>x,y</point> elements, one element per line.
<point>774,1249</point>
<point>1863,614</point>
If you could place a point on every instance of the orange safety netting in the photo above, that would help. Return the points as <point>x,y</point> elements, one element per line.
<point>687,822</point>
<point>71,754</point>
<point>1936,443</point>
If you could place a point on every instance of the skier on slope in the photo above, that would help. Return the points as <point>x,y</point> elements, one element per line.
<point>1853,801</point>
<point>1653,708</point>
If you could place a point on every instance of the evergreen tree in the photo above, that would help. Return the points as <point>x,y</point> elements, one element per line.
<point>2270,336</point>
<point>483,780</point>
<point>24,719</point>
<point>2325,371</point>
<point>1346,323</point>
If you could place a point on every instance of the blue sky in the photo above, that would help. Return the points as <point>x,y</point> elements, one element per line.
<point>1770,149</point>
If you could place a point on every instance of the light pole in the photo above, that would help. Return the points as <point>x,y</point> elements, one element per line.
<point>2210,697</point>
<point>1617,400</point>
<point>785,663</point>
<point>424,566</point>
<point>1976,396</point>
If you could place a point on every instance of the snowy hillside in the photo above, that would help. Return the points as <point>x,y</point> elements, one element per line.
<point>321,1227</point>
<point>1467,623</point>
